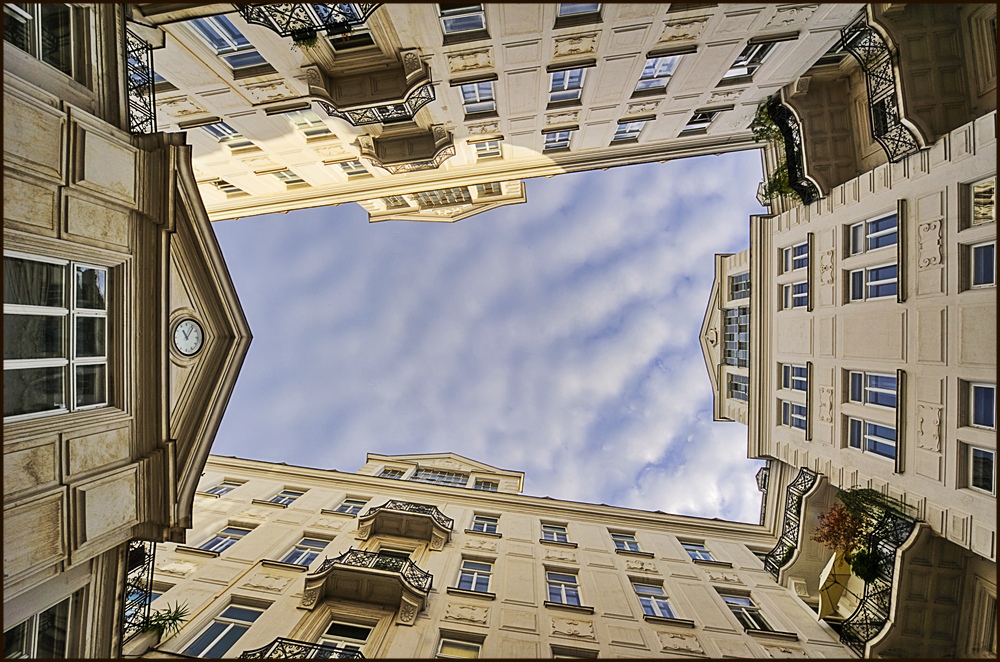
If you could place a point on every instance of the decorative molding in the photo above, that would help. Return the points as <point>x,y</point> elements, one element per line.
<point>176,567</point>
<point>929,427</point>
<point>784,651</point>
<point>826,404</point>
<point>686,643</point>
<point>566,117</point>
<point>682,30</point>
<point>487,128</point>
<point>327,523</point>
<point>786,16</point>
<point>457,611</point>
<point>181,106</point>
<point>641,565</point>
<point>726,95</point>
<point>712,336</point>
<point>481,58</point>
<point>407,612</point>
<point>727,577</point>
<point>560,555</point>
<point>577,629</point>
<point>482,545</point>
<point>263,581</point>
<point>575,45</point>
<point>826,264</point>
<point>437,542</point>
<point>929,236</point>
<point>639,107</point>
<point>309,597</point>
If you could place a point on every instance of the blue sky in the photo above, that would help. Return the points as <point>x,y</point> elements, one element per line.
<point>557,337</point>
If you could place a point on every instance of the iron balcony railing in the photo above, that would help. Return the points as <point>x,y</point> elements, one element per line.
<point>139,84</point>
<point>284,649</point>
<point>419,579</point>
<point>428,164</point>
<point>782,552</point>
<point>870,50</point>
<point>138,587</point>
<point>303,21</point>
<point>873,611</point>
<point>410,507</point>
<point>786,122</point>
<point>419,97</point>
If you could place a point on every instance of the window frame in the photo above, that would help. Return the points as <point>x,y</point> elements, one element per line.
<point>32,625</point>
<point>657,72</point>
<point>739,286</point>
<point>288,178</point>
<point>860,283</point>
<point>794,415</point>
<point>552,532</point>
<point>860,384</point>
<point>446,15</point>
<point>221,541</point>
<point>556,140</point>
<point>795,377</point>
<point>308,123</point>
<point>867,441</point>
<point>487,521</point>
<point>751,619</point>
<point>354,507</point>
<point>625,542</point>
<point>992,263</point>
<point>421,472</point>
<point>488,149</point>
<point>990,184</point>
<point>230,623</point>
<point>342,644</point>
<point>35,36</point>
<point>791,257</point>
<point>795,295</point>
<point>628,130</point>
<point>567,591</point>
<point>860,235</point>
<point>972,386</point>
<point>738,384</point>
<point>657,604</point>
<point>304,549</point>
<point>484,484</point>
<point>233,51</point>
<point>578,12</point>
<point>478,97</point>
<point>460,644</point>
<point>697,551</point>
<point>971,472</point>
<point>467,574</point>
<point>286,496</point>
<point>392,473</point>
<point>226,135</point>
<point>226,487</point>
<point>566,91</point>
<point>750,59</point>
<point>700,120</point>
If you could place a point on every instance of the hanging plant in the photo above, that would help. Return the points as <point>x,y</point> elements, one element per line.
<point>763,127</point>
<point>305,38</point>
<point>864,565</point>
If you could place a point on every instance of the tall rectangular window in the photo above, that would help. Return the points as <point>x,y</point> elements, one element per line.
<point>43,31</point>
<point>629,130</point>
<point>746,612</point>
<point>452,648</point>
<point>795,257</point>
<point>697,551</point>
<point>554,533</point>
<point>748,61</point>
<point>873,389</point>
<point>225,539</point>
<point>871,437</point>
<point>983,264</point>
<point>566,85</point>
<point>794,377</point>
<point>227,628</point>
<point>874,234</point>
<point>308,122</point>
<point>653,600</point>
<point>478,97</point>
<point>227,135</point>
<point>228,42</point>
<point>739,387</point>
<point>564,588</point>
<point>305,551</point>
<point>44,635</point>
<point>557,140</point>
<point>625,542</point>
<point>657,72</point>
<point>286,497</point>
<point>354,168</point>
<point>462,18</point>
<point>739,286</point>
<point>795,295</point>
<point>983,195</point>
<point>55,339</point>
<point>874,282</point>
<point>983,405</point>
<point>793,415</point>
<point>982,469</point>
<point>485,524</point>
<point>475,576</point>
<point>225,487</point>
<point>343,640</point>
<point>288,178</point>
<point>700,120</point>
<point>736,336</point>
<point>488,149</point>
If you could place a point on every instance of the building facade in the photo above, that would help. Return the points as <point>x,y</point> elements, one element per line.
<point>420,556</point>
<point>123,334</point>
<point>437,112</point>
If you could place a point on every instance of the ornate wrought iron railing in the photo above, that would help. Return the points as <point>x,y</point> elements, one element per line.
<point>302,21</point>
<point>411,507</point>
<point>784,119</point>
<point>139,84</point>
<point>873,54</point>
<point>138,587</point>
<point>358,558</point>
<point>782,552</point>
<point>873,611</point>
<point>427,164</point>
<point>387,113</point>
<point>284,649</point>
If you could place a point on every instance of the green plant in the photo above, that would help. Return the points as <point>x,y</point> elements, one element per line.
<point>838,529</point>
<point>864,564</point>
<point>166,621</point>
<point>305,38</point>
<point>778,184</point>
<point>787,555</point>
<point>763,127</point>
<point>868,505</point>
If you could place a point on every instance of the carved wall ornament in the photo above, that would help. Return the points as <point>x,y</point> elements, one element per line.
<point>180,106</point>
<point>313,77</point>
<point>437,542</point>
<point>576,45</point>
<point>439,132</point>
<point>327,523</point>
<point>826,274</point>
<point>272,90</point>
<point>726,95</point>
<point>364,531</point>
<point>176,568</point>
<point>253,513</point>
<point>826,404</point>
<point>309,597</point>
<point>712,336</point>
<point>445,462</point>
<point>567,117</point>
<point>640,107</point>
<point>267,582</point>
<point>573,628</point>
<point>930,244</point>
<point>641,565</point>
<point>258,162</point>
<point>470,613</point>
<point>486,128</point>
<point>722,576</point>
<point>331,150</point>
<point>790,15</point>
<point>671,641</point>
<point>560,555</point>
<point>407,612</point>
<point>683,30</point>
<point>785,651</point>
<point>929,427</point>
<point>481,58</point>
<point>411,61</point>
<point>483,545</point>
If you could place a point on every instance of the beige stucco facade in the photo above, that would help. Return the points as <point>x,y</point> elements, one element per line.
<point>512,614</point>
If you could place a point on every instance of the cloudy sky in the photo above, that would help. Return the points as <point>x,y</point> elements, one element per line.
<point>557,337</point>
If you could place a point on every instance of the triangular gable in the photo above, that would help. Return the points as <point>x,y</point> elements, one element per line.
<point>448,461</point>
<point>711,336</point>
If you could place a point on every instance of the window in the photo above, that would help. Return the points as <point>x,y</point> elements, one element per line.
<point>697,551</point>
<point>228,42</point>
<point>308,122</point>
<point>739,387</point>
<point>443,197</point>
<point>343,640</point>
<point>394,474</point>
<point>43,31</point>
<point>488,149</point>
<point>739,286</point>
<point>488,189</point>
<point>554,533</point>
<point>285,497</point>
<point>395,202</point>
<point>288,177</point>
<point>44,635</point>
<point>440,477</point>
<point>563,588</point>
<point>227,188</point>
<point>983,264</point>
<point>984,201</point>
<point>983,401</point>
<point>736,336</point>
<point>351,506</point>
<point>749,60</point>
<point>746,612</point>
<point>874,282</point>
<point>793,415</point>
<point>625,542</point>
<point>657,72</point>
<point>478,97</point>
<point>359,37</point>
<point>305,551</point>
<point>486,485</point>
<point>55,336</point>
<point>873,389</point>
<point>795,295</point>
<point>576,8</point>
<point>700,120</point>
<point>557,140</point>
<point>870,437</point>
<point>475,576</point>
<point>485,524</point>
<point>353,168</point>
<point>566,85</point>
<point>461,649</point>
<point>462,18</point>
<point>629,130</point>
<point>135,597</point>
<point>653,600</point>
<point>982,463</point>
<point>227,135</point>
<point>794,377</point>
<point>225,539</point>
<point>225,487</point>
<point>874,234</point>
<point>795,257</point>
<point>227,628</point>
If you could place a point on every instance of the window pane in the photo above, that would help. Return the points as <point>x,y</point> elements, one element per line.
<point>91,336</point>
<point>91,387</point>
<point>207,637</point>
<point>91,288</point>
<point>33,336</point>
<point>30,283</point>
<point>15,640</point>
<point>246,59</point>
<point>983,404</point>
<point>33,390</point>
<point>52,624</point>
<point>857,285</point>
<point>55,47</point>
<point>226,642</point>
<point>982,469</point>
<point>458,649</point>
<point>982,265</point>
<point>464,23</point>
<point>855,433</point>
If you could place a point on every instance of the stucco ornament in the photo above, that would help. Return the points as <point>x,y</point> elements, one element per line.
<point>481,58</point>
<point>641,565</point>
<point>437,542</point>
<point>309,597</point>
<point>484,129</point>
<point>688,643</point>
<point>407,612</point>
<point>411,61</point>
<point>640,107</point>
<point>176,568</point>
<point>271,90</point>
<point>826,404</point>
<point>253,513</point>
<point>726,95</point>
<point>327,523</point>
<point>573,628</point>
<point>712,336</point>
<point>684,29</point>
<point>722,576</point>
<point>929,427</point>
<point>470,613</point>
<point>826,260</point>
<point>484,545</point>
<point>267,582</point>
<point>785,651</point>
<point>560,555</point>
<point>930,244</point>
<point>786,16</point>
<point>562,118</point>
<point>576,45</point>
<point>180,106</point>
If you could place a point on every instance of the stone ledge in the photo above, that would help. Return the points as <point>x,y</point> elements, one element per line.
<point>482,595</point>
<point>578,608</point>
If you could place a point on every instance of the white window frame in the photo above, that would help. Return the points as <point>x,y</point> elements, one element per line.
<point>459,644</point>
<point>31,626</point>
<point>308,122</point>
<point>341,645</point>
<point>485,523</point>
<point>746,612</point>
<point>739,286</point>
<point>625,542</point>
<point>578,8</point>
<point>978,249</point>
<point>353,168</point>
<point>795,257</point>
<point>971,469</point>
<point>697,551</point>
<point>867,391</point>
<point>795,295</point>
<point>794,415</point>
<point>396,202</point>
<point>287,496</point>
<point>866,281</point>
<point>563,87</point>
<point>446,478</point>
<point>738,387</point>
<point>794,377</point>
<point>868,438</point>
<point>225,538</point>
<point>231,50</point>
<point>351,505</point>
<point>305,551</point>
<point>987,200</point>
<point>568,589</point>
<point>700,120</point>
<point>392,473</point>
<point>861,235</point>
<point>558,140</point>
<point>656,73</point>
<point>750,59</point>
<point>488,149</point>
<point>31,19</point>
<point>288,178</point>
<point>478,97</point>
<point>449,16</point>
<point>474,572</point>
<point>230,623</point>
<point>224,487</point>
<point>653,600</point>
<point>555,532</point>
<point>227,135</point>
<point>483,484</point>
<point>628,130</point>
<point>973,386</point>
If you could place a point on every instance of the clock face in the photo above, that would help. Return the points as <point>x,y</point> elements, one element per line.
<point>188,337</point>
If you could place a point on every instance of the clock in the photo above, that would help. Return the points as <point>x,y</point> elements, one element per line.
<point>188,337</point>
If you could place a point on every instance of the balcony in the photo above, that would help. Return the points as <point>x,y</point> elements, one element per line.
<point>385,95</point>
<point>138,587</point>
<point>283,649</point>
<point>409,152</point>
<point>139,84</point>
<point>788,124</point>
<point>783,552</point>
<point>409,520</point>
<point>302,21</point>
<point>370,577</point>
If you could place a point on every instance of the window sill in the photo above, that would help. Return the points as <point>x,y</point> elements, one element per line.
<point>557,543</point>
<point>482,595</point>
<point>772,634</point>
<point>735,80</point>
<point>324,511</point>
<point>207,494</point>
<point>714,564</point>
<point>649,92</point>
<point>555,150</point>
<point>465,37</point>
<point>254,71</point>
<point>484,533</point>
<point>196,551</point>
<point>297,567</point>
<point>630,552</point>
<point>692,132</point>
<point>261,502</point>
<point>577,608</point>
<point>568,103</point>
<point>625,141</point>
<point>475,117</point>
<point>663,620</point>
<point>590,18</point>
